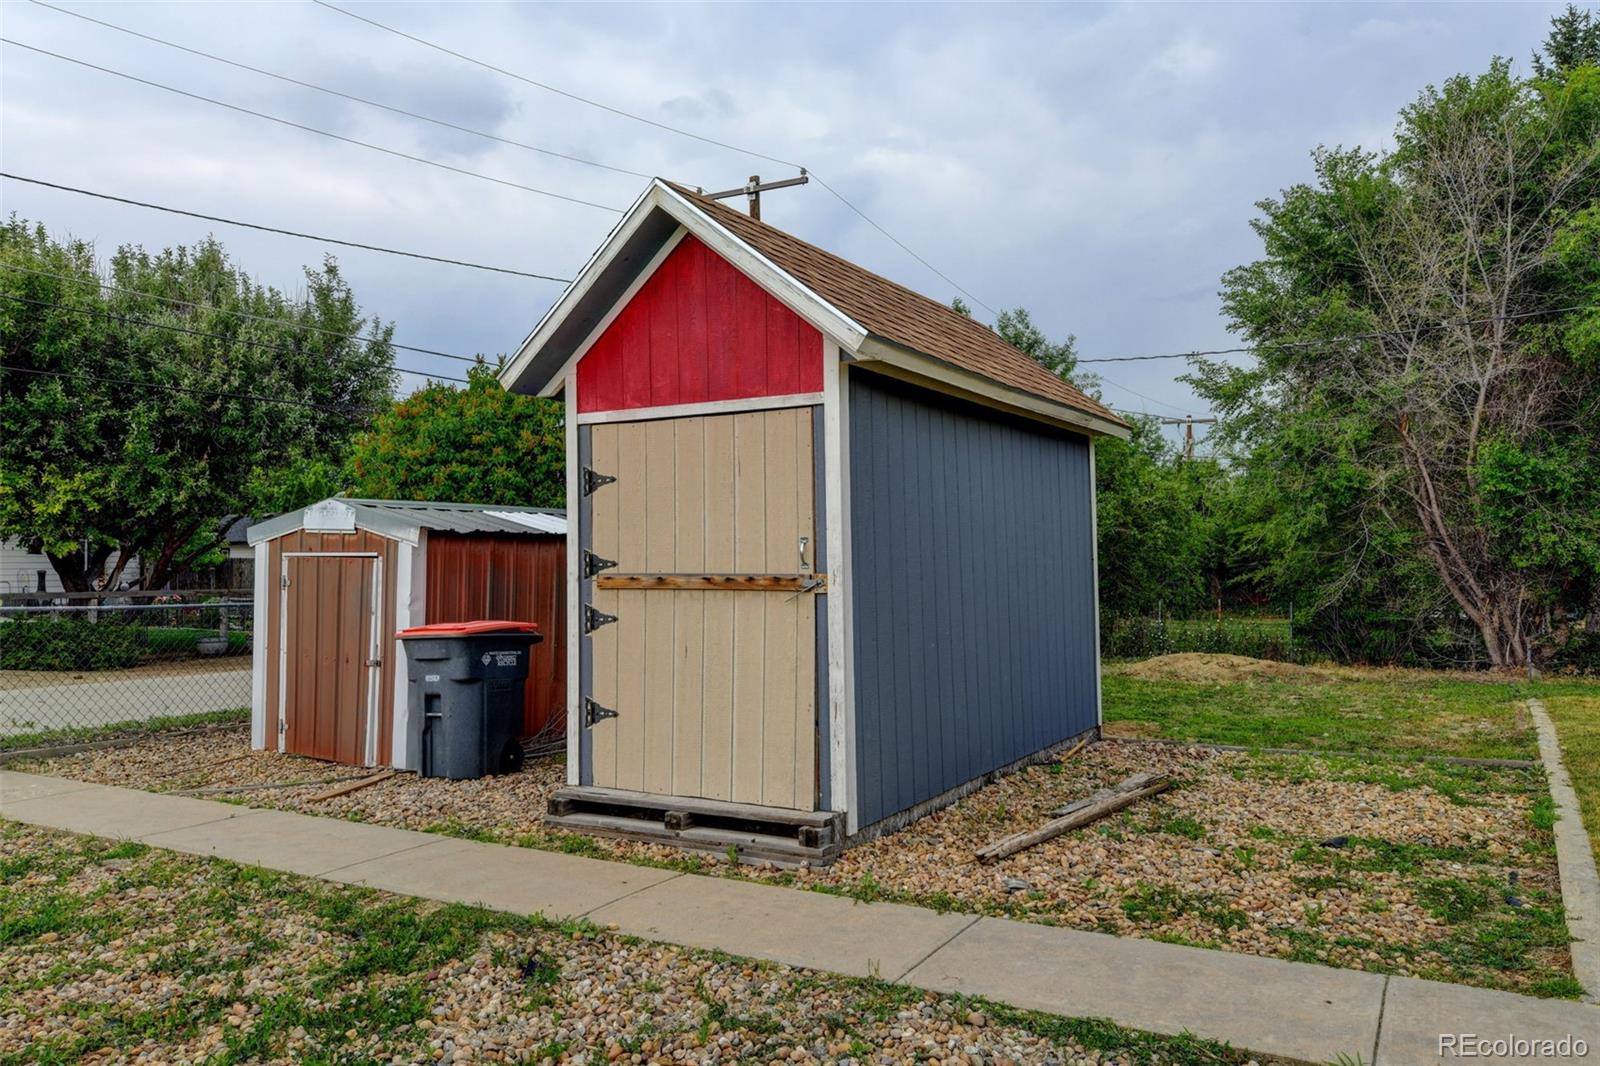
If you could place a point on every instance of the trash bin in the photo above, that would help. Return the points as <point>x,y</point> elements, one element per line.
<point>465,695</point>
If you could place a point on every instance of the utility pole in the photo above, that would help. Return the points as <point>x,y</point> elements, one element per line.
<point>1188,423</point>
<point>754,188</point>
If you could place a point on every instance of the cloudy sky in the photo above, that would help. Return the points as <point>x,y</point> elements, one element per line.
<point>1096,164</point>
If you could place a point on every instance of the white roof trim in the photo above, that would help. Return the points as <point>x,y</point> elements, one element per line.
<point>575,289</point>
<point>846,331</point>
<point>541,523</point>
<point>372,520</point>
<point>803,300</point>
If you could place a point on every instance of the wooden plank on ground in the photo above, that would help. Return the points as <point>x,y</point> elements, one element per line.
<point>354,786</point>
<point>1079,813</point>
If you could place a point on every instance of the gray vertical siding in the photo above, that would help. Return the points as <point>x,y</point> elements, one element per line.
<point>972,591</point>
<point>819,564</point>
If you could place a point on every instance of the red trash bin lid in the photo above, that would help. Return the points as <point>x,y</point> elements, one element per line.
<point>467,629</point>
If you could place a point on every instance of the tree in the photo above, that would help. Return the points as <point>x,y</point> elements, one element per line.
<point>144,405</point>
<point>1016,328</point>
<point>1573,42</point>
<point>1428,341</point>
<point>1156,516</point>
<point>478,444</point>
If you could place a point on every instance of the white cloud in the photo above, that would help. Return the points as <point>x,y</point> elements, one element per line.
<point>1188,59</point>
<point>1096,164</point>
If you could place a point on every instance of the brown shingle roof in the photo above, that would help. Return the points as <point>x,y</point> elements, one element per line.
<point>897,314</point>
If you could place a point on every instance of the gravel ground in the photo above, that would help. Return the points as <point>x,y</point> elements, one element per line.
<point>1433,871</point>
<point>122,953</point>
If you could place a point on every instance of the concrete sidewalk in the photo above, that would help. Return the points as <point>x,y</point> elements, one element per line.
<point>1267,1006</point>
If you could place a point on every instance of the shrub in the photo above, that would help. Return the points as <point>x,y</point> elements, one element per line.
<point>1579,654</point>
<point>1133,637</point>
<point>52,643</point>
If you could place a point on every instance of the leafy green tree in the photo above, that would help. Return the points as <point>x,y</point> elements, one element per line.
<point>1155,532</point>
<point>1573,42</point>
<point>1424,404</point>
<point>478,444</point>
<point>1016,327</point>
<point>142,404</point>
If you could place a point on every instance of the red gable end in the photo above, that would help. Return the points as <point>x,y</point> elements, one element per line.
<point>699,331</point>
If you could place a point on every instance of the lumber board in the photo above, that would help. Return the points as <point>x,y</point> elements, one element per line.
<point>694,805</point>
<point>1077,814</point>
<point>354,786</point>
<point>717,582</point>
<point>1135,781</point>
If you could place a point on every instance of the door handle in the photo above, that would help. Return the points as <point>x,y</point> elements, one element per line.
<point>805,542</point>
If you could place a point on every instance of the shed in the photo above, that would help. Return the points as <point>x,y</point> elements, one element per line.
<point>334,583</point>
<point>835,557</point>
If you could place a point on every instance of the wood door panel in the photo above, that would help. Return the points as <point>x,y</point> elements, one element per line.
<point>328,688</point>
<point>714,685</point>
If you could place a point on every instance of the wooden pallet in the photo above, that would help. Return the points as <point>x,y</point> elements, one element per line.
<point>758,834</point>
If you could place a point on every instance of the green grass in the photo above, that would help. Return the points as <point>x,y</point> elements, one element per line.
<point>1404,712</point>
<point>1151,904</point>
<point>385,959</point>
<point>85,735</point>
<point>1576,715</point>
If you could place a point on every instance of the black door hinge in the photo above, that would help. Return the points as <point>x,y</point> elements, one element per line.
<point>593,619</point>
<point>593,713</point>
<point>593,480</point>
<point>593,564</point>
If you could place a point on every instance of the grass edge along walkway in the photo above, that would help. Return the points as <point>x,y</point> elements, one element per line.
<point>1267,1006</point>
<point>1580,884</point>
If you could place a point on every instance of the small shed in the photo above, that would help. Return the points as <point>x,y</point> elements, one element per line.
<point>834,558</point>
<point>334,583</point>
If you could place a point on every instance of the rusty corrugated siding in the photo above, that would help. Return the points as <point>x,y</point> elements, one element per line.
<point>522,579</point>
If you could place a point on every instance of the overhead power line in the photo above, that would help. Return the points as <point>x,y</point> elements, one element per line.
<point>680,131</point>
<point>313,129</point>
<point>947,279</point>
<point>152,324</point>
<point>344,95</point>
<point>291,323</point>
<point>1142,396</point>
<point>1370,335</point>
<point>185,389</point>
<point>280,231</point>
<point>553,89</point>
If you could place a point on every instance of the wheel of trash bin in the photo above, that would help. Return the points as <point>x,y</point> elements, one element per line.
<point>511,758</point>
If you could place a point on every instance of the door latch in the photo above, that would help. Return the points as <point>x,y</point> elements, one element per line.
<point>593,713</point>
<point>593,619</point>
<point>810,584</point>
<point>593,564</point>
<point>593,479</point>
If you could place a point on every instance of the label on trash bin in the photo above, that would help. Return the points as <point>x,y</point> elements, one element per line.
<point>430,677</point>
<point>501,658</point>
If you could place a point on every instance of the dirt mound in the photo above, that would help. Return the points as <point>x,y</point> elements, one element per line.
<point>1203,666</point>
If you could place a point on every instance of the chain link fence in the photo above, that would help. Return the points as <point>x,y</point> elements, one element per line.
<point>75,670</point>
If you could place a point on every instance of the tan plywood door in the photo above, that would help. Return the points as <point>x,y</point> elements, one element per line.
<point>329,655</point>
<point>713,681</point>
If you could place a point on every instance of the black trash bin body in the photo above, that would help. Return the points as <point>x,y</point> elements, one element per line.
<point>465,696</point>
